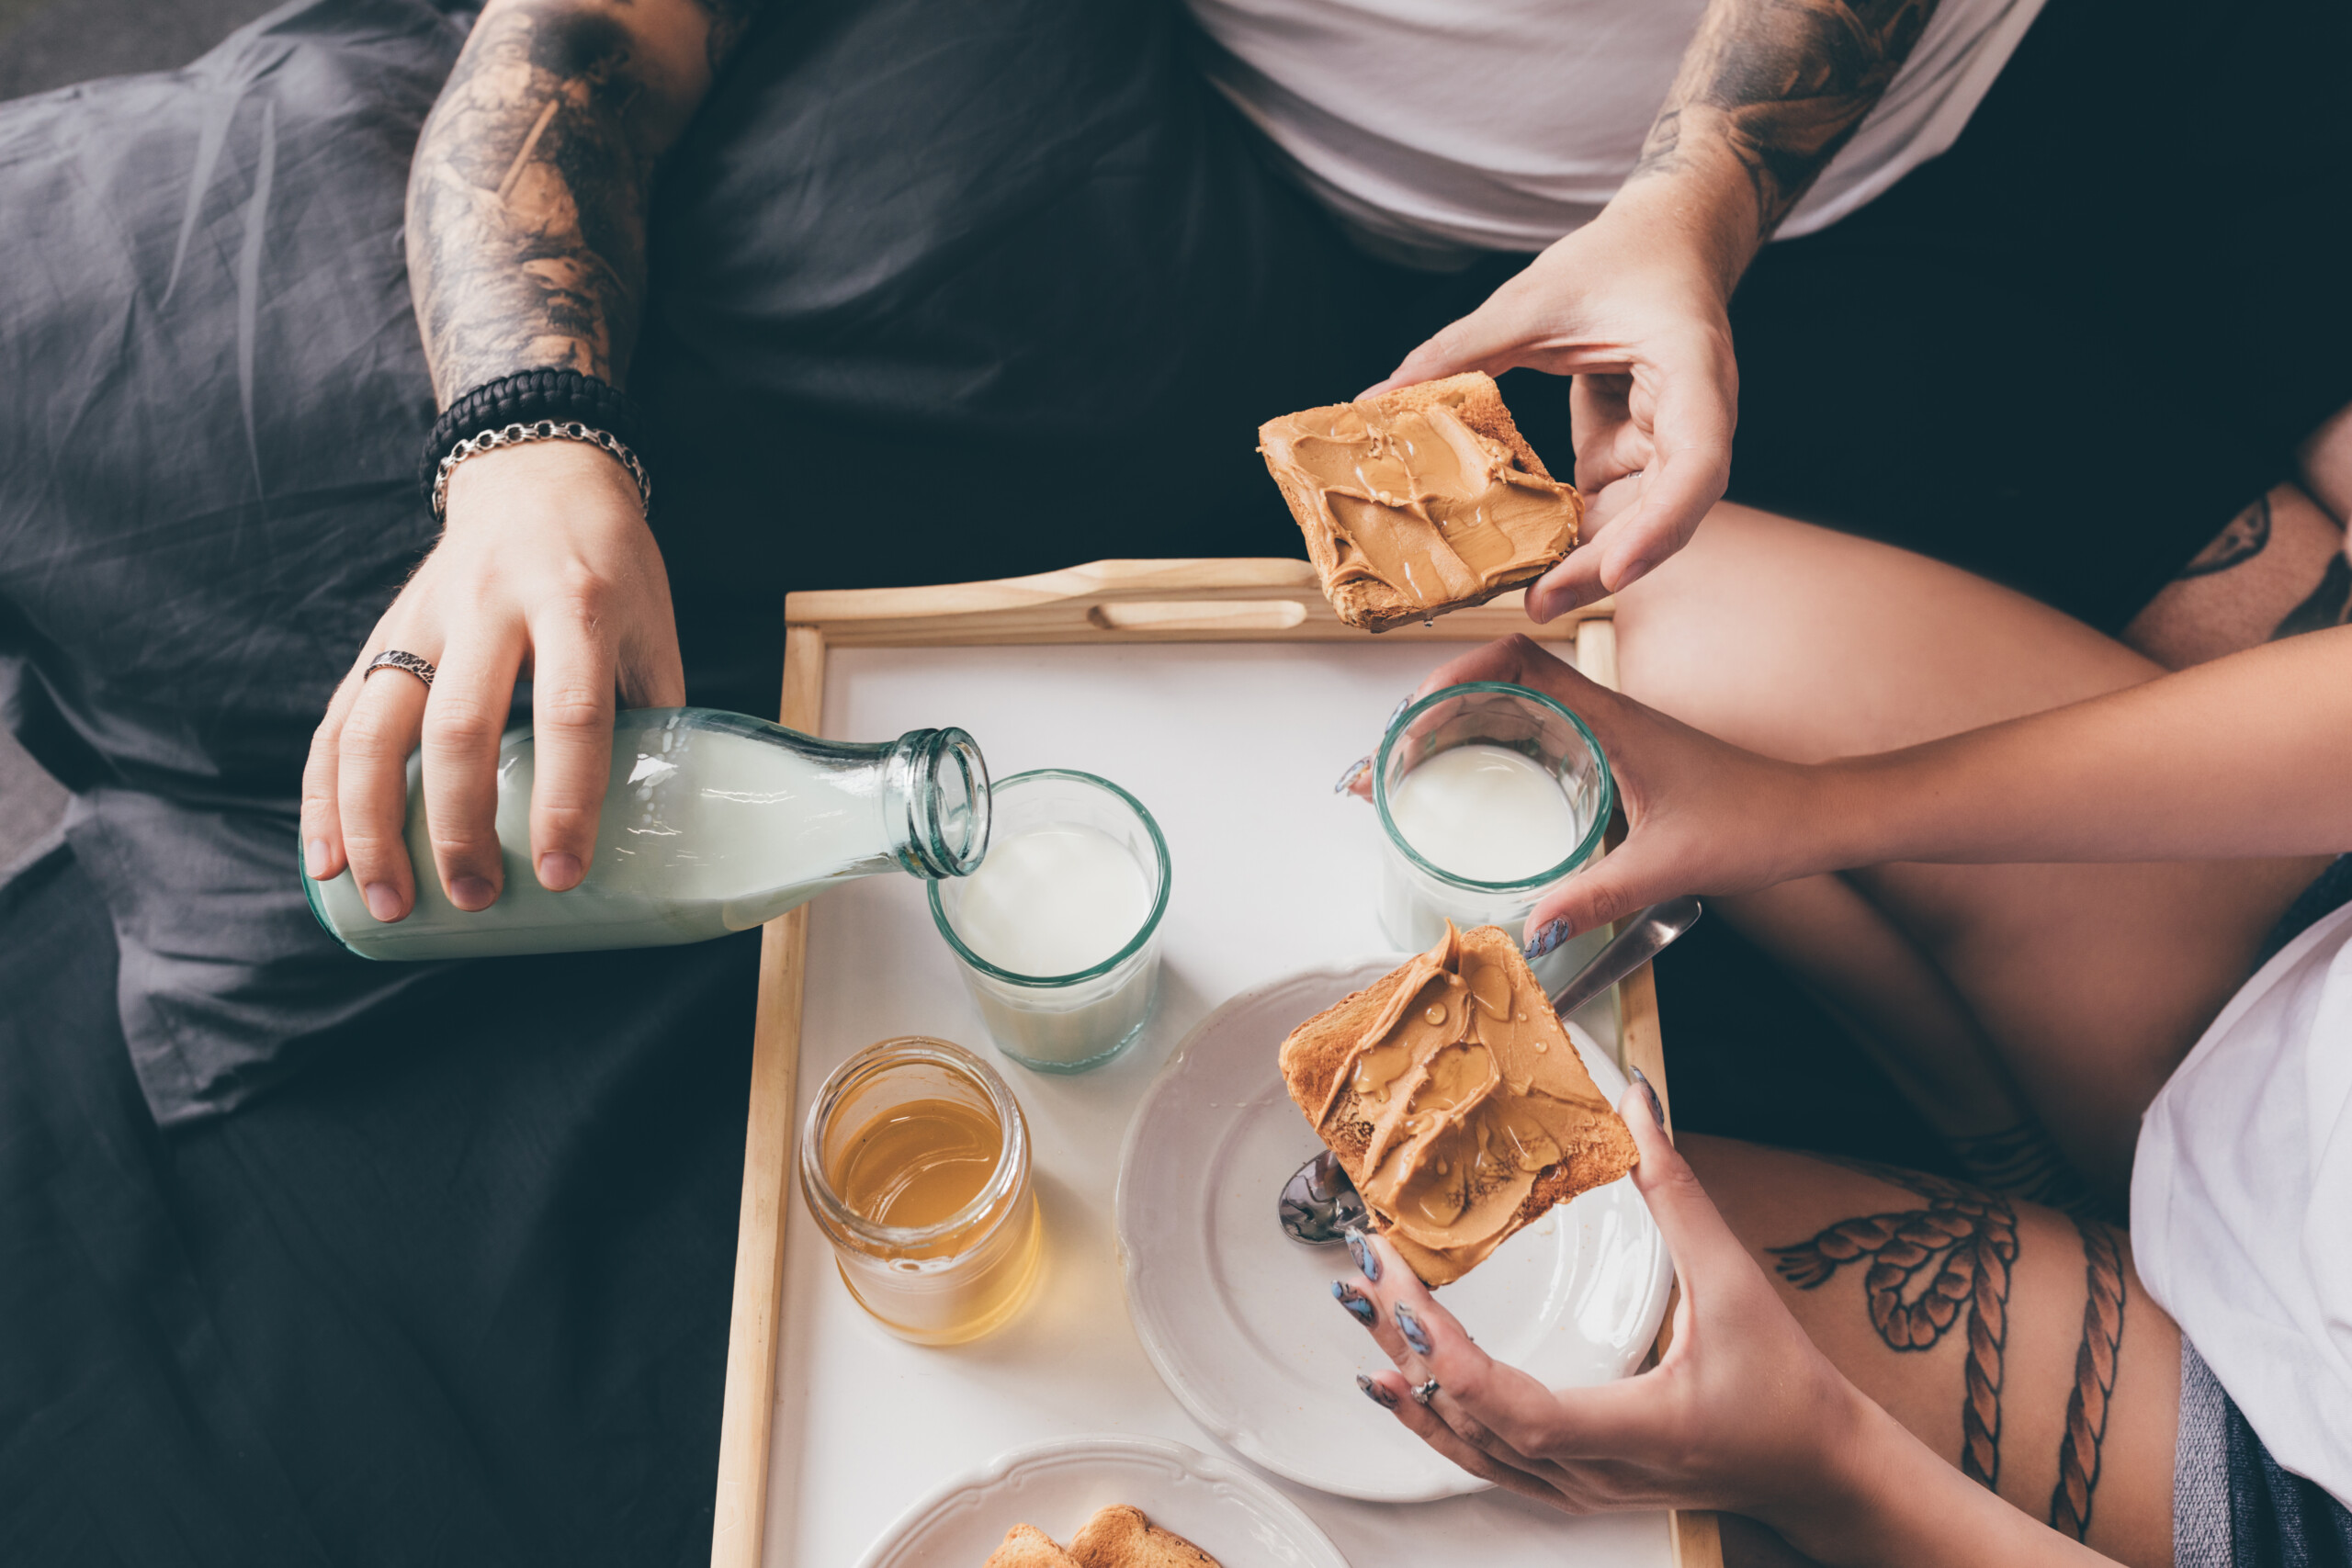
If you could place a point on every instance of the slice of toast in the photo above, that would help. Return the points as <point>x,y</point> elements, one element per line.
<point>1404,538</point>
<point>1450,1079</point>
<point>1027,1546</point>
<point>1120,1536</point>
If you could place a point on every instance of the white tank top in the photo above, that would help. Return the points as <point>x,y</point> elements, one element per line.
<point>1436,128</point>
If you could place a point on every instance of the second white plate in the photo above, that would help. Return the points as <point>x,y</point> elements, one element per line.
<point>1238,1319</point>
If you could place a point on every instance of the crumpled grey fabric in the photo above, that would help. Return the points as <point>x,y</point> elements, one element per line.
<point>923,274</point>
<point>214,396</point>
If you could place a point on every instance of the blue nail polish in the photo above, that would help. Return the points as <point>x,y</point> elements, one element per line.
<point>1376,1394</point>
<point>1396,713</point>
<point>1657,1112</point>
<point>1549,938</point>
<point>1410,1326</point>
<point>1348,1296</point>
<point>1367,1260</point>
<point>1355,771</point>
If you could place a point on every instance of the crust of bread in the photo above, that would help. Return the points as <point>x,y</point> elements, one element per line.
<point>1375,606</point>
<point>1317,1052</point>
<point>1120,1536</point>
<point>1027,1546</point>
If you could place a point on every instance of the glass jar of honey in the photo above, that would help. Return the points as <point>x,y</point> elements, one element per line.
<point>915,1164</point>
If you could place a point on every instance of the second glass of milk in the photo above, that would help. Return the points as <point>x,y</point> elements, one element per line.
<point>1057,932</point>
<point>1488,794</point>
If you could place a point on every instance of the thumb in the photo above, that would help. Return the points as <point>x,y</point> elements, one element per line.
<point>1693,1227</point>
<point>1615,885</point>
<point>1479,340</point>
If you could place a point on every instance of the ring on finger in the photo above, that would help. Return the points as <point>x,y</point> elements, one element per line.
<point>400,658</point>
<point>1424,1391</point>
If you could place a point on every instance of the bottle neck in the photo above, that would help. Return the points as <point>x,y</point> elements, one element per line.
<point>936,803</point>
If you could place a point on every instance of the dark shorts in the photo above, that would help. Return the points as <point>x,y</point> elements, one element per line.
<point>2233,1506</point>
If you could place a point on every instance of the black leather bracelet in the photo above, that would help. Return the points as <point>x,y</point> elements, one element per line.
<point>564,396</point>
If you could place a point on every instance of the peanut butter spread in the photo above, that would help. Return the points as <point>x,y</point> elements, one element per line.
<point>1471,1090</point>
<point>1419,501</point>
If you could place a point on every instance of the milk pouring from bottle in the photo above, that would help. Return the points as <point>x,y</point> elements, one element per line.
<point>712,822</point>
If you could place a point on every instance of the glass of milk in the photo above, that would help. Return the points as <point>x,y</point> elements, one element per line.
<point>1488,794</point>
<point>1057,932</point>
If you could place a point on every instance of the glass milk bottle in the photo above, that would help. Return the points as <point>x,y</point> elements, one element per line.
<point>713,822</point>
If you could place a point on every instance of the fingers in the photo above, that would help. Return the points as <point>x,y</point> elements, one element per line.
<point>1499,1410</point>
<point>572,723</point>
<point>371,787</point>
<point>322,856</point>
<point>1389,1391</point>
<point>464,717</point>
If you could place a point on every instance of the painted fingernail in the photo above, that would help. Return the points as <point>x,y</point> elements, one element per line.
<point>314,855</point>
<point>470,893</point>
<point>1356,770</point>
<point>1657,1112</point>
<point>383,901</point>
<point>1550,938</point>
<point>1424,1391</point>
<point>1348,1296</point>
<point>1396,713</point>
<point>1367,1260</point>
<point>558,871</point>
<point>1410,1326</point>
<point>1377,1393</point>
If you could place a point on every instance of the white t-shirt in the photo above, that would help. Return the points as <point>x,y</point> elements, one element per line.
<point>2241,1203</point>
<point>1442,126</point>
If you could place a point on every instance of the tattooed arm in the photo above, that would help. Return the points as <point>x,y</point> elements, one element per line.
<point>527,215</point>
<point>1633,304</point>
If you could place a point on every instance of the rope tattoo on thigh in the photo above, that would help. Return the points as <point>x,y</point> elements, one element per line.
<point>2078,1450</point>
<point>1926,1266</point>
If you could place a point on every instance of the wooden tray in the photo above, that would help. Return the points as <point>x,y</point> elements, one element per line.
<point>1246,601</point>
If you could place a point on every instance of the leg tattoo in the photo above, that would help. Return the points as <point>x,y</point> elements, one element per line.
<point>1926,1265</point>
<point>2247,537</point>
<point>2325,607</point>
<point>2078,1450</point>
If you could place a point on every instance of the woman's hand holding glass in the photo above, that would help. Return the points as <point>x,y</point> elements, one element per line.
<point>546,569</point>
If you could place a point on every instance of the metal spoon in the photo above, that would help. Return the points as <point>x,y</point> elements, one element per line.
<point>1319,1204</point>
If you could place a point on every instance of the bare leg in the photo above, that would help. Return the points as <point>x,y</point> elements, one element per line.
<point>2277,569</point>
<point>2013,1341</point>
<point>2080,985</point>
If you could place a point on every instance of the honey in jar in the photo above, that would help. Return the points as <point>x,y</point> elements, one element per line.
<point>916,1166</point>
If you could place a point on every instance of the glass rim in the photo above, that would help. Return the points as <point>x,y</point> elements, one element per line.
<point>1011,1166</point>
<point>1144,932</point>
<point>1576,857</point>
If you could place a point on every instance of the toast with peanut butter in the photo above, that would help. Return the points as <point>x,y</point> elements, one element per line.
<point>1420,500</point>
<point>1455,1102</point>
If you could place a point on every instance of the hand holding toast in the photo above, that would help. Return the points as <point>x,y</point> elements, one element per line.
<point>1638,318</point>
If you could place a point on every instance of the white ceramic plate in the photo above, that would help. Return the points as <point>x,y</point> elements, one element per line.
<point>1056,1486</point>
<point>1239,1318</point>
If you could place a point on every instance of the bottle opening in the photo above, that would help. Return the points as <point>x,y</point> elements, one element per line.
<point>947,802</point>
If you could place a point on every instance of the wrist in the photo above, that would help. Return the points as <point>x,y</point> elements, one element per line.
<point>574,469</point>
<point>1700,209</point>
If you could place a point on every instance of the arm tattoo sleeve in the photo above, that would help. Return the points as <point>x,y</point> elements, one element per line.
<point>1781,84</point>
<point>526,203</point>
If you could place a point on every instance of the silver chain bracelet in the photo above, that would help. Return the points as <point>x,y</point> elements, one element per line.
<point>543,430</point>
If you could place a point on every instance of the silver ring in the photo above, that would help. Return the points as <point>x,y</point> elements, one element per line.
<point>393,659</point>
<point>1424,1391</point>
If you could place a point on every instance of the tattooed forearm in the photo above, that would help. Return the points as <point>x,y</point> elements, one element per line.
<point>1780,85</point>
<point>528,198</point>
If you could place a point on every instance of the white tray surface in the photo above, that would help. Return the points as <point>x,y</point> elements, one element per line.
<point>1234,748</point>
